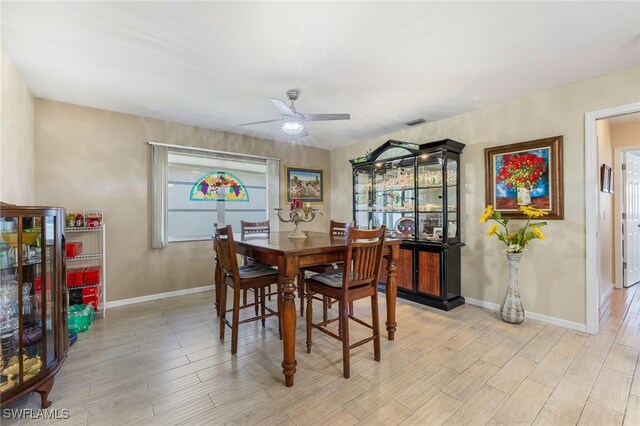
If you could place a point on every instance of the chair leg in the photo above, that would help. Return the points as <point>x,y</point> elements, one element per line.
<point>269,292</point>
<point>351,308</point>
<point>223,308</point>
<point>301,275</point>
<point>263,308</point>
<point>235,321</point>
<point>339,320</point>
<point>376,326</point>
<point>325,311</point>
<point>256,297</point>
<point>244,297</point>
<point>309,318</point>
<point>344,321</point>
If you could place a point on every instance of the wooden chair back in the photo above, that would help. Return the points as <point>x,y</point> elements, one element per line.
<point>363,257</point>
<point>339,229</point>
<point>248,228</point>
<point>226,251</point>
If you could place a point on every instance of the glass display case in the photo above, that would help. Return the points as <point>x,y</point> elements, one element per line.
<point>413,190</point>
<point>33,330</point>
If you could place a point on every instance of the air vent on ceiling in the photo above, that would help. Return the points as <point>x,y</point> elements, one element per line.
<point>415,122</point>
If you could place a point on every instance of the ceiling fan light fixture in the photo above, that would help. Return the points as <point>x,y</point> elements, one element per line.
<point>292,126</point>
<point>292,123</point>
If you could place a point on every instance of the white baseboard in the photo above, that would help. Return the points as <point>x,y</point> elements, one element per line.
<point>605,295</point>
<point>131,301</point>
<point>532,315</point>
<point>482,303</point>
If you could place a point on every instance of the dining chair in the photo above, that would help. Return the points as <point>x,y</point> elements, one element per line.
<point>357,280</point>
<point>251,228</point>
<point>256,276</point>
<point>336,229</point>
<point>256,229</point>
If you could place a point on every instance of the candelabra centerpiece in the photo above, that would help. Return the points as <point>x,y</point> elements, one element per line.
<point>298,212</point>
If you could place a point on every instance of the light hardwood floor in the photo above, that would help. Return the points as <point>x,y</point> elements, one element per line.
<point>162,363</point>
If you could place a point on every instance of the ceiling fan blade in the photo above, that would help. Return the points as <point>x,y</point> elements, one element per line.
<point>326,117</point>
<point>282,107</point>
<point>260,122</point>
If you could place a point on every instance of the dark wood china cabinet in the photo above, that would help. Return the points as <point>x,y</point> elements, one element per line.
<point>414,190</point>
<point>33,300</point>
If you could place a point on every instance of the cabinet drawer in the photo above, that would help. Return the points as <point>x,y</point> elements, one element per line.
<point>429,273</point>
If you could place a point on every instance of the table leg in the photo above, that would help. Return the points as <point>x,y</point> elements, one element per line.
<point>391,294</point>
<point>289,273</point>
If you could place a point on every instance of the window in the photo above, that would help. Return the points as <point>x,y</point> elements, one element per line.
<point>187,200</point>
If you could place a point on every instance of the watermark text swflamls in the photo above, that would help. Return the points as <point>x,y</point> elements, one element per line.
<point>36,414</point>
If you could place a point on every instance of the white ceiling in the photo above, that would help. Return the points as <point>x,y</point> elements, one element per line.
<point>215,65</point>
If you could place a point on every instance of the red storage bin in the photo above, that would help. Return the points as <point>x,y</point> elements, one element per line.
<point>74,249</point>
<point>91,300</point>
<point>89,291</point>
<point>92,275</point>
<point>37,283</point>
<point>75,277</point>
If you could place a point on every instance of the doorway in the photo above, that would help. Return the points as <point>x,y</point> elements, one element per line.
<point>628,222</point>
<point>592,192</point>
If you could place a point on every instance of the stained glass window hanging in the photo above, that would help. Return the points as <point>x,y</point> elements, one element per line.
<point>219,186</point>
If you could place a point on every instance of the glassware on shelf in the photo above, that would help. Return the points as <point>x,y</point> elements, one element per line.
<point>9,358</point>
<point>9,302</point>
<point>5,255</point>
<point>452,178</point>
<point>26,299</point>
<point>428,178</point>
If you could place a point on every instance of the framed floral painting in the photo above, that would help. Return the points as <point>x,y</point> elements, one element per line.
<point>526,173</point>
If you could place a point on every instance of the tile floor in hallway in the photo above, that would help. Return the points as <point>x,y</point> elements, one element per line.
<point>162,363</point>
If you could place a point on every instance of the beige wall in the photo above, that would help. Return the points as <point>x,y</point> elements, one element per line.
<point>90,158</point>
<point>605,212</point>
<point>17,141</point>
<point>552,280</point>
<point>625,135</point>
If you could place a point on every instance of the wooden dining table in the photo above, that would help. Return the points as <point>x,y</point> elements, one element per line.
<point>289,255</point>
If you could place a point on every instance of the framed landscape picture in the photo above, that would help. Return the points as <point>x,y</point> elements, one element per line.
<point>526,173</point>
<point>304,184</point>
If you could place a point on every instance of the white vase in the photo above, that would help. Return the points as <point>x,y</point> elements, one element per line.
<point>524,196</point>
<point>511,309</point>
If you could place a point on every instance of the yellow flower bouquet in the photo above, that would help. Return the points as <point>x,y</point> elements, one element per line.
<point>515,241</point>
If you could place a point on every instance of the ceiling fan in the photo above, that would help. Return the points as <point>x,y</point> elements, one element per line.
<point>292,121</point>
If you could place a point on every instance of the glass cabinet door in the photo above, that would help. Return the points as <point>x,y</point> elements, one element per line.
<point>430,198</point>
<point>452,212</point>
<point>394,197</point>
<point>22,345</point>
<point>362,197</point>
<point>9,320</point>
<point>49,301</point>
<point>33,341</point>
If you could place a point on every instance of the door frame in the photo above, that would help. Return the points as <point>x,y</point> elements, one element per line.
<point>591,191</point>
<point>618,155</point>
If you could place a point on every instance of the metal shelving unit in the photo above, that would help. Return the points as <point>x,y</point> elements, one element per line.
<point>90,259</point>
